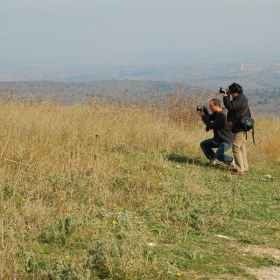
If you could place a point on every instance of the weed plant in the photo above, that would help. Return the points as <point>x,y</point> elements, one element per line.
<point>113,190</point>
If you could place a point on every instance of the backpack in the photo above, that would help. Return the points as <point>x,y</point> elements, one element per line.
<point>248,124</point>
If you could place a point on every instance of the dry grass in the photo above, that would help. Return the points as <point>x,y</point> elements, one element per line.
<point>68,173</point>
<point>52,138</point>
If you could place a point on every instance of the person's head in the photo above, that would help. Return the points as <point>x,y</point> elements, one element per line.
<point>215,105</point>
<point>235,89</point>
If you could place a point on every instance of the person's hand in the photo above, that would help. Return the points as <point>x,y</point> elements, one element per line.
<point>200,113</point>
<point>224,94</point>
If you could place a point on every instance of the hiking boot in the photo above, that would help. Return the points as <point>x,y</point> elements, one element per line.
<point>214,162</point>
<point>237,173</point>
<point>232,164</point>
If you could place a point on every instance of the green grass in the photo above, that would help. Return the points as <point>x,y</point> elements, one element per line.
<point>138,201</point>
<point>107,220</point>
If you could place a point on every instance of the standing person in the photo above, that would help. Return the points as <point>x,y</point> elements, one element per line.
<point>237,107</point>
<point>222,139</point>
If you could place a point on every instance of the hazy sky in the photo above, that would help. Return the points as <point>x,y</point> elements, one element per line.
<point>32,28</point>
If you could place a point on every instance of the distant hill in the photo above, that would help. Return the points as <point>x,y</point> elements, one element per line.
<point>73,92</point>
<point>262,101</point>
<point>209,75</point>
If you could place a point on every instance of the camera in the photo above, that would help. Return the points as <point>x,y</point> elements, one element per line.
<point>222,90</point>
<point>204,109</point>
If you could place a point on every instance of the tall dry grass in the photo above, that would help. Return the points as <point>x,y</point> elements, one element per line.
<point>58,165</point>
<point>48,138</point>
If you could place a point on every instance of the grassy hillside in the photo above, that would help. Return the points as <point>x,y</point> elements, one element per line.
<point>118,191</point>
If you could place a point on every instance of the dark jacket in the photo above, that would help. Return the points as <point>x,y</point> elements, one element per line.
<point>216,121</point>
<point>236,107</point>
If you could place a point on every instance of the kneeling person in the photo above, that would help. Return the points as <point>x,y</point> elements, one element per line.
<point>222,139</point>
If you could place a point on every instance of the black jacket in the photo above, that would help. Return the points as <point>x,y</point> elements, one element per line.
<point>216,121</point>
<point>236,107</point>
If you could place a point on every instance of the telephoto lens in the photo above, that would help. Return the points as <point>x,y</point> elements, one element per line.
<point>222,90</point>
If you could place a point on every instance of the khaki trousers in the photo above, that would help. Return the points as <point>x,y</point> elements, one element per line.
<point>239,151</point>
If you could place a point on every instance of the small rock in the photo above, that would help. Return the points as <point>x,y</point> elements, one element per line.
<point>222,236</point>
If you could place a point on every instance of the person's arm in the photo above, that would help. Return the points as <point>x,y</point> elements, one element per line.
<point>226,100</point>
<point>206,119</point>
<point>233,105</point>
<point>219,121</point>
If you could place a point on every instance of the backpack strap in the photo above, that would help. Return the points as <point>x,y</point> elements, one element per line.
<point>253,132</point>
<point>253,135</point>
<point>244,112</point>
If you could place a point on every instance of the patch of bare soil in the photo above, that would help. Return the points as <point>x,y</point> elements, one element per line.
<point>261,251</point>
<point>269,273</point>
<point>264,273</point>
